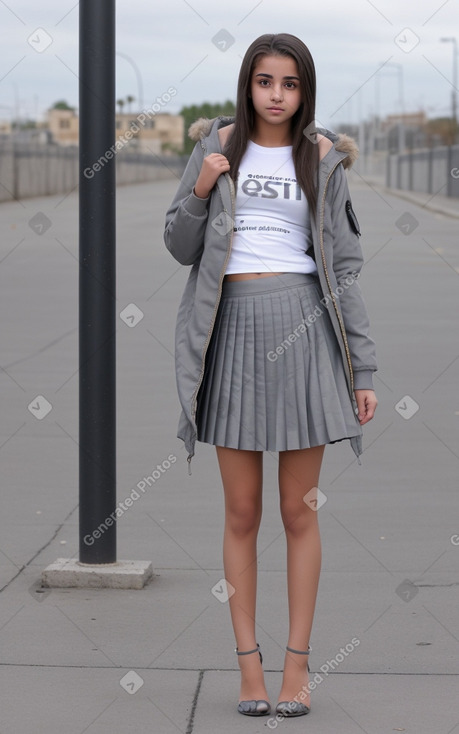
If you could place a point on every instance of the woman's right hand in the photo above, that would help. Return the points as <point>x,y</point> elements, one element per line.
<point>212,167</point>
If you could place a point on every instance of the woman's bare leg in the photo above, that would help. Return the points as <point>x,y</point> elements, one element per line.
<point>242,477</point>
<point>298,474</point>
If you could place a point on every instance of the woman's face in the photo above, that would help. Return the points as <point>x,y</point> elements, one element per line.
<point>275,88</point>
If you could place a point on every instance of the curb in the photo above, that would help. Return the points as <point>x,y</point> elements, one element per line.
<point>415,198</point>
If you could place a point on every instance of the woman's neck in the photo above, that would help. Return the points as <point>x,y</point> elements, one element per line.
<point>271,136</point>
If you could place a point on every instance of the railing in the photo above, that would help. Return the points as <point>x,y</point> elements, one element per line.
<point>32,169</point>
<point>430,171</point>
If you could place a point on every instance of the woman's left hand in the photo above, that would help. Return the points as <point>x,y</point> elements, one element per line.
<point>366,403</point>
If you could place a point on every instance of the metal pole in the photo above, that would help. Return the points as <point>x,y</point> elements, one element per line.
<point>454,91</point>
<point>401,124</point>
<point>453,40</point>
<point>362,144</point>
<point>402,104</point>
<point>454,100</point>
<point>97,284</point>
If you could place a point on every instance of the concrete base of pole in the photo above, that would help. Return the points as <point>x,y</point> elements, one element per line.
<point>68,572</point>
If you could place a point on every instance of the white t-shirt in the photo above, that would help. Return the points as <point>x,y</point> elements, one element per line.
<point>272,225</point>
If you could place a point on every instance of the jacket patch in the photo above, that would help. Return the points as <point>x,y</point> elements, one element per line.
<point>352,218</point>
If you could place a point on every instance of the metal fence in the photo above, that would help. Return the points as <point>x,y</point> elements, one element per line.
<point>430,171</point>
<point>32,169</point>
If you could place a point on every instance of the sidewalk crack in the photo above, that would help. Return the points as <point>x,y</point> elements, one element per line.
<point>40,550</point>
<point>190,723</point>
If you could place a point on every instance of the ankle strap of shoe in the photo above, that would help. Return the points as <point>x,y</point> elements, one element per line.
<point>247,652</point>
<point>299,652</point>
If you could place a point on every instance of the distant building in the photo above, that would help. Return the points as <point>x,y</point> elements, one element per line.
<point>33,136</point>
<point>389,134</point>
<point>5,128</point>
<point>27,135</point>
<point>413,133</point>
<point>156,135</point>
<point>160,134</point>
<point>411,120</point>
<point>63,126</point>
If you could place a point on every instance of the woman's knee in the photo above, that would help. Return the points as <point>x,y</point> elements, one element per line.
<point>242,478</point>
<point>243,518</point>
<point>297,517</point>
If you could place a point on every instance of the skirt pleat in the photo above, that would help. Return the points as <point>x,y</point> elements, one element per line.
<point>268,386</point>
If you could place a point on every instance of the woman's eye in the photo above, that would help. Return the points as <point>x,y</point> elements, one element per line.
<point>266,82</point>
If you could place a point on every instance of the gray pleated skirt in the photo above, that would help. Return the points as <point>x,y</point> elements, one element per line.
<point>274,378</point>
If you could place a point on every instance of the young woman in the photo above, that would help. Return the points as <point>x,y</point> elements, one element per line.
<point>272,345</point>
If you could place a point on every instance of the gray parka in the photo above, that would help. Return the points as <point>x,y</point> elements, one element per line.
<point>199,233</point>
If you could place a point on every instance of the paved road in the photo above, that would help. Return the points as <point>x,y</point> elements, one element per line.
<point>70,659</point>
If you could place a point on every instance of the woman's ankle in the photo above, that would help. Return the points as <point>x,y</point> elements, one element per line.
<point>295,679</point>
<point>252,675</point>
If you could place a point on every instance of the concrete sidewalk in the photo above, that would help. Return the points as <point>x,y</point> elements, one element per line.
<point>162,660</point>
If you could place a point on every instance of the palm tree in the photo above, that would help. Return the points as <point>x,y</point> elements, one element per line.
<point>130,99</point>
<point>120,103</point>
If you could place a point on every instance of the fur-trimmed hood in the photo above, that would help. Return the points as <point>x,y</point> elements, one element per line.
<point>342,142</point>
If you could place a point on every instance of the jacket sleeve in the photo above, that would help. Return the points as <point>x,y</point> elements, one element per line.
<point>347,264</point>
<point>186,217</point>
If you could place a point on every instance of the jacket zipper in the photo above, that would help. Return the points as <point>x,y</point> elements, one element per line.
<point>338,315</point>
<point>206,345</point>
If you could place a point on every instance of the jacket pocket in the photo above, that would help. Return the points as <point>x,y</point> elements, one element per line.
<point>352,218</point>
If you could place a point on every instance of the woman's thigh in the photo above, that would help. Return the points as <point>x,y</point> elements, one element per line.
<point>242,478</point>
<point>299,472</point>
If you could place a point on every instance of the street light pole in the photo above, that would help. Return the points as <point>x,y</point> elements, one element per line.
<point>401,126</point>
<point>454,90</point>
<point>97,284</point>
<point>138,75</point>
<point>97,564</point>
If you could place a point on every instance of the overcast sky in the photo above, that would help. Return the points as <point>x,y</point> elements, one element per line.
<point>171,44</point>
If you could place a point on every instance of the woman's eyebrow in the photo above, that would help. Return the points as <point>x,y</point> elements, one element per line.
<point>270,76</point>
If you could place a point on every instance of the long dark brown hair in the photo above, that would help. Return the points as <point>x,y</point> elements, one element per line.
<point>304,150</point>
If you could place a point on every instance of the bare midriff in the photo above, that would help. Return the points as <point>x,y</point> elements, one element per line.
<point>248,276</point>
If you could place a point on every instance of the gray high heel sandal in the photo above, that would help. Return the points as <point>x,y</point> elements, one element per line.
<point>294,708</point>
<point>253,708</point>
